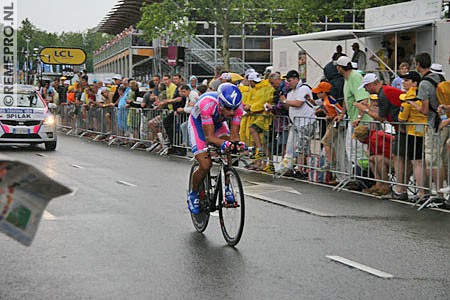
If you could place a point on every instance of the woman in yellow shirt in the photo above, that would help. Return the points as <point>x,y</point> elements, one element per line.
<point>409,113</point>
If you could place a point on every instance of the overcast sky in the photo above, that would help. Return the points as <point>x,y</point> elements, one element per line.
<point>64,15</point>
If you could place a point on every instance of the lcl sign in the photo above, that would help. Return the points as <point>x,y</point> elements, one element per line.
<point>63,56</point>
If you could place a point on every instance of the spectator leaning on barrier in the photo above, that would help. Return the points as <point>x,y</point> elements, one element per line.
<point>156,80</point>
<point>281,119</point>
<point>117,81</point>
<point>173,103</point>
<point>260,93</point>
<point>133,119</point>
<point>244,130</point>
<point>379,153</point>
<point>388,109</point>
<point>332,109</point>
<point>122,112</point>
<point>62,91</point>
<point>156,123</point>
<point>436,152</point>
<point>171,87</point>
<point>409,113</point>
<point>303,117</point>
<point>191,97</point>
<point>193,83</point>
<point>147,98</point>
<point>355,105</point>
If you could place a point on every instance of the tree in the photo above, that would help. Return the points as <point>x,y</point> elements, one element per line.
<point>175,19</point>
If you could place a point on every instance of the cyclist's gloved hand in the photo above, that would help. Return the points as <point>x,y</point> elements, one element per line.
<point>241,145</point>
<point>226,145</point>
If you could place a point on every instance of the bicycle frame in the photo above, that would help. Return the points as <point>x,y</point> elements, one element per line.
<point>220,179</point>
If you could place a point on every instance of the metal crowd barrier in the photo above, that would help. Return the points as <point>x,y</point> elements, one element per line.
<point>321,150</point>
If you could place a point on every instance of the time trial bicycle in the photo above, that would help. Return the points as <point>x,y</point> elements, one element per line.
<point>211,195</point>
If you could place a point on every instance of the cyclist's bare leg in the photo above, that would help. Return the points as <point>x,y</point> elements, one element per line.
<point>204,162</point>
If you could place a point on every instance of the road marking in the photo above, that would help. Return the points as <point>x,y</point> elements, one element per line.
<point>74,191</point>
<point>125,183</point>
<point>76,166</point>
<point>42,155</point>
<point>214,214</point>
<point>48,216</point>
<point>359,266</point>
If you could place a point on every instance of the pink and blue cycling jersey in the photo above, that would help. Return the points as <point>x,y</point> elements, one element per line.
<point>206,112</point>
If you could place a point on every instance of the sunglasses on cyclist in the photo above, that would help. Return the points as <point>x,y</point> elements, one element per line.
<point>229,108</point>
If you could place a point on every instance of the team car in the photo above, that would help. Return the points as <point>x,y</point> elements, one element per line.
<point>25,118</point>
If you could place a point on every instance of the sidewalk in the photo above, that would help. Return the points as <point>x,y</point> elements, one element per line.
<point>322,200</point>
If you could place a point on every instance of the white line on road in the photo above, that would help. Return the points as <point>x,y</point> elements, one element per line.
<point>48,216</point>
<point>124,183</point>
<point>359,266</point>
<point>77,166</point>
<point>215,213</point>
<point>74,191</point>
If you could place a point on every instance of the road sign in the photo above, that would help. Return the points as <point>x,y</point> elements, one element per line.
<point>63,56</point>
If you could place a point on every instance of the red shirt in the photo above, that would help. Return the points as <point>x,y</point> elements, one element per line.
<point>380,143</point>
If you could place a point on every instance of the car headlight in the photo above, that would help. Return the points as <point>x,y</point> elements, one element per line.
<point>49,120</point>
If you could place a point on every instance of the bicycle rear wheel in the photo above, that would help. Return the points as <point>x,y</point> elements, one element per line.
<point>201,220</point>
<point>232,216</point>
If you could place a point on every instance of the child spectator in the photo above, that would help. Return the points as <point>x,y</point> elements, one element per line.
<point>379,153</point>
<point>332,109</point>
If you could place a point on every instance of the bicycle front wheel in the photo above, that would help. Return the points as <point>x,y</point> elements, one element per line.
<point>200,221</point>
<point>232,216</point>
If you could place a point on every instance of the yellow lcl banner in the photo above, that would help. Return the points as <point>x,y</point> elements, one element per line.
<point>63,56</point>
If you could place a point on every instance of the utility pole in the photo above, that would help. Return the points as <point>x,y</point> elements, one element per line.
<point>27,63</point>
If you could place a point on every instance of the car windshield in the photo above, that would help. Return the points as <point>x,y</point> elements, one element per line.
<point>29,99</point>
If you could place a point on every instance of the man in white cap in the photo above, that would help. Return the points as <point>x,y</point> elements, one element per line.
<point>436,154</point>
<point>114,89</point>
<point>388,98</point>
<point>388,109</point>
<point>225,77</point>
<point>356,103</point>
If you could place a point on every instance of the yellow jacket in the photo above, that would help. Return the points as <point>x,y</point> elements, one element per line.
<point>261,94</point>
<point>245,89</point>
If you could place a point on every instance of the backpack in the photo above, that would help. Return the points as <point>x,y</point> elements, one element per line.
<point>392,94</point>
<point>442,95</point>
<point>442,90</point>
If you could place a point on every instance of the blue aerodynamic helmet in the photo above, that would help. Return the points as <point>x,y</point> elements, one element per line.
<point>229,96</point>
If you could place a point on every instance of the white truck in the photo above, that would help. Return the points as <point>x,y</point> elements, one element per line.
<point>408,28</point>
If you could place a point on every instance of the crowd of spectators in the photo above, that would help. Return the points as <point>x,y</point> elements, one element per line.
<point>127,31</point>
<point>284,115</point>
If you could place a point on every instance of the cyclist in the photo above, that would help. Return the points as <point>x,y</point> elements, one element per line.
<point>208,125</point>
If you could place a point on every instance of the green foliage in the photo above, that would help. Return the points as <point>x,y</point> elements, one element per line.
<point>169,18</point>
<point>173,19</point>
<point>88,40</point>
<point>165,19</point>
